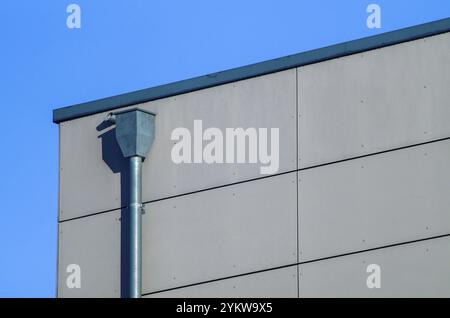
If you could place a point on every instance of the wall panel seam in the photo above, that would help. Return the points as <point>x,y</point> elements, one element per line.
<point>303,263</point>
<point>266,177</point>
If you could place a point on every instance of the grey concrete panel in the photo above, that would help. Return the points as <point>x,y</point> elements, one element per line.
<point>373,101</point>
<point>220,233</point>
<point>374,201</point>
<point>413,270</point>
<point>91,164</point>
<point>92,243</point>
<point>279,283</point>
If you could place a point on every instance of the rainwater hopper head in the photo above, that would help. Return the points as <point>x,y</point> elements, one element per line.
<point>135,131</point>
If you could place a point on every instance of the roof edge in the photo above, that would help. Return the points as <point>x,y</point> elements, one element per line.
<point>252,70</point>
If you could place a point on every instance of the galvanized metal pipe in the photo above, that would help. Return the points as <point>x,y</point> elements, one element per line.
<point>135,226</point>
<point>135,132</point>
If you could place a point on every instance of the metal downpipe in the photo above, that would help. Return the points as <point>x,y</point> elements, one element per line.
<point>135,227</point>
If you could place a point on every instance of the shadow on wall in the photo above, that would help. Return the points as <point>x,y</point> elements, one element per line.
<point>112,156</point>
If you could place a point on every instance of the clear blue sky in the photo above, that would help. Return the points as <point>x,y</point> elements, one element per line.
<point>124,46</point>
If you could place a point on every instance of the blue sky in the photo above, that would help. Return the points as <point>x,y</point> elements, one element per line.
<point>124,46</point>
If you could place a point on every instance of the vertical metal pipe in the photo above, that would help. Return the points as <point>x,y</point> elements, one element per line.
<point>136,226</point>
